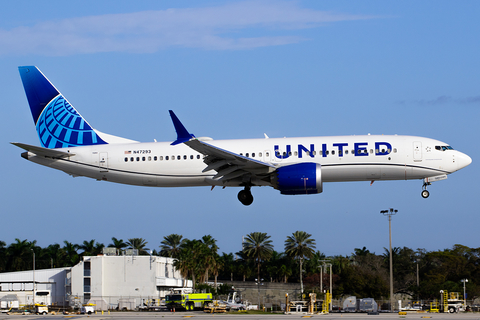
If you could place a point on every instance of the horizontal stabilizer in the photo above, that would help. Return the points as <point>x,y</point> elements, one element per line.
<point>39,151</point>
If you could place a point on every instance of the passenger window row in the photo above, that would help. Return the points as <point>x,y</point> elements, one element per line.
<point>253,154</point>
<point>161,158</point>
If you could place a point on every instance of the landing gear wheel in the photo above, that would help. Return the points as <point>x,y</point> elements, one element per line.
<point>245,197</point>
<point>425,194</point>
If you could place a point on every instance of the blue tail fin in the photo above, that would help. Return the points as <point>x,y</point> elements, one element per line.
<point>58,124</point>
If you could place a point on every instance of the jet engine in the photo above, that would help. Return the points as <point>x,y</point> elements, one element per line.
<point>300,178</point>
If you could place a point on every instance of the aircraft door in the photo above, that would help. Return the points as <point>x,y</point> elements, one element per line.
<point>417,151</point>
<point>103,162</point>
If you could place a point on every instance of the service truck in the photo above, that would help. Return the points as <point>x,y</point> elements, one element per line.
<point>185,299</point>
<point>88,308</point>
<point>455,302</point>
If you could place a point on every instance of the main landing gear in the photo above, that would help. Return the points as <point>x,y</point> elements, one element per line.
<point>245,196</point>
<point>425,192</point>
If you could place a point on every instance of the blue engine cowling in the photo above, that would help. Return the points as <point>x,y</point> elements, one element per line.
<point>300,178</point>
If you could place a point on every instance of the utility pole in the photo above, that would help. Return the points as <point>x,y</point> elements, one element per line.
<point>390,213</point>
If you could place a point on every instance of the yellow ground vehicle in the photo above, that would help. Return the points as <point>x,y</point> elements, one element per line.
<point>184,299</point>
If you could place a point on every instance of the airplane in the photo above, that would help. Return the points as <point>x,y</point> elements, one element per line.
<point>293,166</point>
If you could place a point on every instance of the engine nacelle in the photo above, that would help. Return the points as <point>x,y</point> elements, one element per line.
<point>300,178</point>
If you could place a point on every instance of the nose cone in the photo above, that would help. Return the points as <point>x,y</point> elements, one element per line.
<point>462,160</point>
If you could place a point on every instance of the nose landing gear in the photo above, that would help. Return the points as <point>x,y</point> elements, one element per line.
<point>245,196</point>
<point>425,192</point>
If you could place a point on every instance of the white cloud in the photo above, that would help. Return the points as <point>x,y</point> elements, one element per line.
<point>213,28</point>
<point>442,100</point>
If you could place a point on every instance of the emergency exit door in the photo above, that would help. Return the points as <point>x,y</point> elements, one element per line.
<point>417,151</point>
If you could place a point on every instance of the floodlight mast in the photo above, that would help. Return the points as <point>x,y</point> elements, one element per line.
<point>390,212</point>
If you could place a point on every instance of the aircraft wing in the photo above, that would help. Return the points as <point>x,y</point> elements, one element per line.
<point>227,164</point>
<point>39,151</point>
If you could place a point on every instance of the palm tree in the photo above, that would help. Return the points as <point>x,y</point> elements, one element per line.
<point>210,254</point>
<point>190,260</point>
<point>171,245</point>
<point>274,265</point>
<point>70,250</point>
<point>3,251</point>
<point>258,246</point>
<point>181,264</point>
<point>284,271</point>
<point>55,255</point>
<point>299,245</point>
<point>18,255</point>
<point>218,265</point>
<point>91,248</point>
<point>227,262</point>
<point>118,244</point>
<point>139,244</point>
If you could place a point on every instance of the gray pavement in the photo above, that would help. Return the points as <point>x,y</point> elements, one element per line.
<point>237,316</point>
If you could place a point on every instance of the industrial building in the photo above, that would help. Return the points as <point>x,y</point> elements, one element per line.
<point>110,281</point>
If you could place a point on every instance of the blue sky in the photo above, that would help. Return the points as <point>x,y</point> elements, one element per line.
<point>239,69</point>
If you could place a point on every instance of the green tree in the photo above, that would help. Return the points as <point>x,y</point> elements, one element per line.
<point>171,245</point>
<point>55,255</point>
<point>228,266</point>
<point>91,248</point>
<point>71,254</point>
<point>119,244</point>
<point>20,255</point>
<point>3,254</point>
<point>191,259</point>
<point>182,264</point>
<point>299,245</point>
<point>258,246</point>
<point>139,244</point>
<point>210,255</point>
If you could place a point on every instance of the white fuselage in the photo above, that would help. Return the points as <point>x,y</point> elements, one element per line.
<point>342,158</point>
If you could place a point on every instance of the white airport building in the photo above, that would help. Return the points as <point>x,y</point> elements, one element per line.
<point>109,281</point>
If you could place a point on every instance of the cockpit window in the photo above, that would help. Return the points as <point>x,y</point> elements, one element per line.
<point>443,148</point>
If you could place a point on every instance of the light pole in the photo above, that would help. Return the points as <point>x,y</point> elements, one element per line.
<point>417,260</point>
<point>33,278</point>
<point>390,213</point>
<point>331,293</point>
<point>464,293</point>
<point>259,282</point>
<point>321,279</point>
<point>325,266</point>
